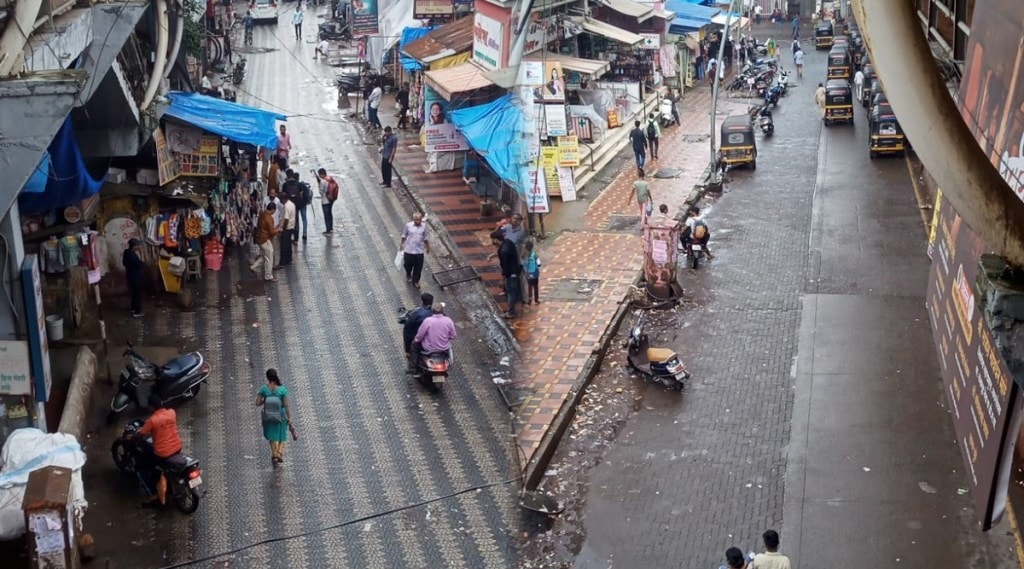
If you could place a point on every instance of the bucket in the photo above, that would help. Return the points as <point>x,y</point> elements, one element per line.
<point>55,328</point>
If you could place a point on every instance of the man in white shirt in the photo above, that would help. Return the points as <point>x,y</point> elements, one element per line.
<point>297,17</point>
<point>373,104</point>
<point>321,49</point>
<point>771,558</point>
<point>278,210</point>
<point>288,219</point>
<point>858,85</point>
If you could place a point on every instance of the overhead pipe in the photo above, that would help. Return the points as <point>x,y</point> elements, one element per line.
<point>157,74</point>
<point>179,32</point>
<point>931,120</point>
<point>15,36</point>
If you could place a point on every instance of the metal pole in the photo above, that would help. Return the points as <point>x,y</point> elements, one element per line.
<point>714,93</point>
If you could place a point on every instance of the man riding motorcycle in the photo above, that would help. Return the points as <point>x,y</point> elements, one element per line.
<point>435,333</point>
<point>412,326</point>
<point>162,425</point>
<point>703,235</point>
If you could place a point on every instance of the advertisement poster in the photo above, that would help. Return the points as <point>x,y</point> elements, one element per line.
<point>15,368</point>
<point>554,120</point>
<point>567,184</point>
<point>487,37</point>
<point>531,73</point>
<point>568,151</point>
<point>537,196</point>
<point>549,161</point>
<point>364,18</point>
<point>981,392</point>
<point>553,89</point>
<point>166,165</point>
<point>439,135</point>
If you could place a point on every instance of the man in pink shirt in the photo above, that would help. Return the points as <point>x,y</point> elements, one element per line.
<point>436,333</point>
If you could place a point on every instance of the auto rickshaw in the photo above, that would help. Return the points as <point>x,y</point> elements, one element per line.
<point>885,134</point>
<point>842,41</point>
<point>838,102</point>
<point>840,64</point>
<point>823,35</point>
<point>870,84</point>
<point>738,146</point>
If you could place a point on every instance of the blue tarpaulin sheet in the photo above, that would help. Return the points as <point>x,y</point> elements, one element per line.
<point>495,130</point>
<point>690,17</point>
<point>410,35</point>
<point>67,180</point>
<point>233,121</point>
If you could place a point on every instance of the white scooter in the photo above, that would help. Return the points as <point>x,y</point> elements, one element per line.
<point>665,111</point>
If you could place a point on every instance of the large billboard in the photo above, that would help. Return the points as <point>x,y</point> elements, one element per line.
<point>992,90</point>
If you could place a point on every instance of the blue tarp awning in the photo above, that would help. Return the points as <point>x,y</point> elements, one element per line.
<point>494,130</point>
<point>65,181</point>
<point>689,17</point>
<point>233,121</point>
<point>410,35</point>
<point>680,26</point>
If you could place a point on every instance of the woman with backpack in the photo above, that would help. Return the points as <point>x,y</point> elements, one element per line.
<point>273,397</point>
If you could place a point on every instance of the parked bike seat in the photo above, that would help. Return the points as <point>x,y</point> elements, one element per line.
<point>659,354</point>
<point>179,366</point>
<point>179,462</point>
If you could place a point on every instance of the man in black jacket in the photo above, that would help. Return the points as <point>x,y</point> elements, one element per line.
<point>293,189</point>
<point>508,258</point>
<point>412,325</point>
<point>639,141</point>
<point>135,274</point>
<point>402,98</point>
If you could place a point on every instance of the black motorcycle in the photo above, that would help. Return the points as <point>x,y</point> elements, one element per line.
<point>334,31</point>
<point>134,457</point>
<point>432,368</point>
<point>238,72</point>
<point>176,381</point>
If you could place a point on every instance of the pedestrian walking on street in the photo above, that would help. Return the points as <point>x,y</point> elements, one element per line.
<point>373,105</point>
<point>757,14</point>
<point>819,99</point>
<point>387,156</point>
<point>771,47</point>
<point>272,178</point>
<point>858,85</point>
<point>796,46</point>
<point>297,21</point>
<point>329,191</point>
<point>297,194</point>
<point>734,559</point>
<point>508,259</point>
<point>273,198</point>
<point>276,416</point>
<point>798,61</point>
<point>266,229</point>
<point>402,98</point>
<point>636,137</point>
<point>642,190</point>
<point>771,558</point>
<point>532,268</point>
<point>135,274</point>
<point>796,28</point>
<point>653,135</point>
<point>415,245</point>
<point>288,219</point>
<point>284,143</point>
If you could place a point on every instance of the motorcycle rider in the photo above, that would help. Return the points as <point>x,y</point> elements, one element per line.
<point>435,334</point>
<point>412,326</point>
<point>693,221</point>
<point>162,425</point>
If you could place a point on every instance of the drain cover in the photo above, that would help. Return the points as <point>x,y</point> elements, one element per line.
<point>455,276</point>
<point>629,223</point>
<point>574,290</point>
<point>248,288</point>
<point>668,173</point>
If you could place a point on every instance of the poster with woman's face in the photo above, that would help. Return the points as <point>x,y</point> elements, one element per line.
<point>553,89</point>
<point>434,107</point>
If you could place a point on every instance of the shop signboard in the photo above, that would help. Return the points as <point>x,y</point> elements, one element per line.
<point>539,34</point>
<point>426,9</point>
<point>487,41</point>
<point>651,41</point>
<point>613,118</point>
<point>439,135</point>
<point>568,151</point>
<point>196,153</point>
<point>567,183</point>
<point>537,197</point>
<point>38,347</point>
<point>15,368</point>
<point>531,73</point>
<point>982,394</point>
<point>166,165</point>
<point>549,161</point>
<point>365,18</point>
<point>554,120</point>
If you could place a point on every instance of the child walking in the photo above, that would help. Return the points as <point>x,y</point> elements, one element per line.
<point>532,266</point>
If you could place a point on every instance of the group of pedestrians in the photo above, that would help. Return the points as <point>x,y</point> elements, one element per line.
<point>520,264</point>
<point>770,558</point>
<point>644,139</point>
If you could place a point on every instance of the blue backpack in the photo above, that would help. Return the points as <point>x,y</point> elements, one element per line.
<point>533,266</point>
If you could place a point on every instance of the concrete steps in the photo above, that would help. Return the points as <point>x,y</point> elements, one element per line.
<point>594,157</point>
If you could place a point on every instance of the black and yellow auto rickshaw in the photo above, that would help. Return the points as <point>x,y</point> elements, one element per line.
<point>838,102</point>
<point>885,136</point>
<point>841,41</point>
<point>870,84</point>
<point>738,146</point>
<point>840,64</point>
<point>823,35</point>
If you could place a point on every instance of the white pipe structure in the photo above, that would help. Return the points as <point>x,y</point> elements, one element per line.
<point>719,71</point>
<point>931,120</point>
<point>157,75</point>
<point>179,32</point>
<point>15,36</point>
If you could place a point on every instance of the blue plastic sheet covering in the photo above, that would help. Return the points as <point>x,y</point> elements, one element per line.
<point>690,11</point>
<point>410,35</point>
<point>236,122</point>
<point>495,131</point>
<point>67,180</point>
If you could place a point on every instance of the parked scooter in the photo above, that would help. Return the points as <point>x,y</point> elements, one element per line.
<point>432,368</point>
<point>665,110</point>
<point>766,123</point>
<point>176,381</point>
<point>772,95</point>
<point>238,72</point>
<point>132,456</point>
<point>660,364</point>
<point>783,82</point>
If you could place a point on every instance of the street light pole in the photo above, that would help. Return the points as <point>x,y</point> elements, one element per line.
<point>715,81</point>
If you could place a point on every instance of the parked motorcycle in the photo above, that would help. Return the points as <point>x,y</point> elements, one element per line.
<point>334,31</point>
<point>175,382</point>
<point>783,81</point>
<point>132,456</point>
<point>665,111</point>
<point>660,364</point>
<point>772,95</point>
<point>238,72</point>
<point>432,368</point>
<point>766,123</point>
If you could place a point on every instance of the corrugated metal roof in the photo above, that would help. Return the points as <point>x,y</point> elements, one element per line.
<point>450,39</point>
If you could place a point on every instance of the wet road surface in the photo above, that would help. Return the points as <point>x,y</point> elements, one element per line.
<point>816,406</point>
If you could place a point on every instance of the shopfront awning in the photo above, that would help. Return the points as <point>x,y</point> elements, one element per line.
<point>592,67</point>
<point>611,32</point>
<point>444,41</point>
<point>410,35</point>
<point>629,8</point>
<point>494,131</point>
<point>694,12</point>
<point>737,20</point>
<point>233,121</point>
<point>460,78</point>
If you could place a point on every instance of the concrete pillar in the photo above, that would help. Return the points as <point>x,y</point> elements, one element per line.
<point>12,253</point>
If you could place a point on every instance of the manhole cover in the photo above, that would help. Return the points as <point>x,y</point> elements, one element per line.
<point>455,276</point>
<point>248,288</point>
<point>668,173</point>
<point>574,290</point>
<point>629,223</point>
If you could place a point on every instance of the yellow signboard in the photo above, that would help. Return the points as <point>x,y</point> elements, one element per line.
<point>568,151</point>
<point>549,161</point>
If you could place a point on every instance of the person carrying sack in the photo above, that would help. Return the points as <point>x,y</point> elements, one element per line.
<point>276,417</point>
